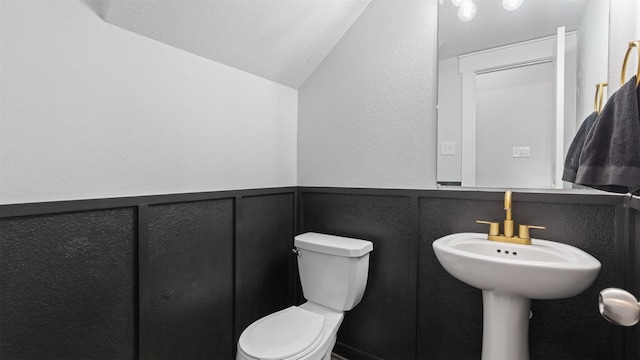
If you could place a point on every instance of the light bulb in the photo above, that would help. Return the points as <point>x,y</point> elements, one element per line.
<point>458,2</point>
<point>467,11</point>
<point>511,4</point>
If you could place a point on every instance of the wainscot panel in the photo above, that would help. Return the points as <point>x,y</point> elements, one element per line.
<point>161,276</point>
<point>68,286</point>
<point>455,332</point>
<point>383,324</point>
<point>191,280</point>
<point>264,276</point>
<point>634,265</point>
<point>405,272</point>
<point>181,275</point>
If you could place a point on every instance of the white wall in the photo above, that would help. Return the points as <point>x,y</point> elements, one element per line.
<point>367,116</point>
<point>449,118</point>
<point>90,110</point>
<point>593,39</point>
<point>515,108</point>
<point>459,73</point>
<point>622,29</point>
<point>637,37</point>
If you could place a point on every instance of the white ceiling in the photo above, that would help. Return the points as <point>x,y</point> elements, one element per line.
<point>494,26</point>
<point>285,40</point>
<point>280,40</point>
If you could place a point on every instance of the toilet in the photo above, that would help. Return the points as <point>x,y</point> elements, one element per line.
<point>333,273</point>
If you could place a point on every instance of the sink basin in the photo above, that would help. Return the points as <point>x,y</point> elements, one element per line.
<point>543,270</point>
<point>510,275</point>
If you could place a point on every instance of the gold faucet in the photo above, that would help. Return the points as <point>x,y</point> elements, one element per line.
<point>523,230</point>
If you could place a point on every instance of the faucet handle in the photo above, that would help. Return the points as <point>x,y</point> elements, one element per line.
<point>494,227</point>
<point>523,230</point>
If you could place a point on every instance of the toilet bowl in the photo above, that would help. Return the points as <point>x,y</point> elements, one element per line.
<point>333,273</point>
<point>305,332</point>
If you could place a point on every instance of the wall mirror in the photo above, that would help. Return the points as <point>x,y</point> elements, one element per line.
<point>513,88</point>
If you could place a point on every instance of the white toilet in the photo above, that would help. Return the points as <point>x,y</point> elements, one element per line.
<point>333,273</point>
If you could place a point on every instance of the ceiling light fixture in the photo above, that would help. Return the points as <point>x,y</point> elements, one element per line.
<point>467,11</point>
<point>458,2</point>
<point>511,4</point>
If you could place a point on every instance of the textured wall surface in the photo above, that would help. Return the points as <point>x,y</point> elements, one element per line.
<point>68,278</point>
<point>383,323</point>
<point>367,116</point>
<point>634,273</point>
<point>191,280</point>
<point>457,332</point>
<point>444,318</point>
<point>68,286</point>
<point>90,110</point>
<point>623,27</point>
<point>175,279</point>
<point>263,257</point>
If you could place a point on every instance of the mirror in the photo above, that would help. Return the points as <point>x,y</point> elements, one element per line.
<point>513,88</point>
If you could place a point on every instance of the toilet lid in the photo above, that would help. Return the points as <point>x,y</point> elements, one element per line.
<point>283,334</point>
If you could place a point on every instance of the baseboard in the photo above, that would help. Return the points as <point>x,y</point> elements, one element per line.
<point>344,352</point>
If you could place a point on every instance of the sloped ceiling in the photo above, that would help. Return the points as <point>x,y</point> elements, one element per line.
<point>286,40</point>
<point>280,40</point>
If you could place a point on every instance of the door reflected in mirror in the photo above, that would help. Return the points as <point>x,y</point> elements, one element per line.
<point>513,87</point>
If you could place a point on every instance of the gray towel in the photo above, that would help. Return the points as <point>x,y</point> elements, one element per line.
<point>610,158</point>
<point>573,155</point>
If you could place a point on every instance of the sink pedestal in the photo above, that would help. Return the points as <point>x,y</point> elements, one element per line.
<point>509,276</point>
<point>505,326</point>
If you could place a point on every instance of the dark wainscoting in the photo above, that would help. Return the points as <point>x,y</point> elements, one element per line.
<point>456,332</point>
<point>264,258</point>
<point>413,309</point>
<point>68,285</point>
<point>180,276</point>
<point>633,272</point>
<point>172,277</point>
<point>191,282</point>
<point>383,324</point>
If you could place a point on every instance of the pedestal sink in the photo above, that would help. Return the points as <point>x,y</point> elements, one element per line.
<point>510,275</point>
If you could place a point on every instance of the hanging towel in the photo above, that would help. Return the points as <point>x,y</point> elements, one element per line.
<point>610,158</point>
<point>573,155</point>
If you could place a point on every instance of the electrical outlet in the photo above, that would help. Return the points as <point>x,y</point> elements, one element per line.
<point>521,151</point>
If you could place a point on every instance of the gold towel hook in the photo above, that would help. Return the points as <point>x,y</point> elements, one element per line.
<point>632,44</point>
<point>597,102</point>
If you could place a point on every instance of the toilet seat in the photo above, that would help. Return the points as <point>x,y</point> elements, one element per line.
<point>287,334</point>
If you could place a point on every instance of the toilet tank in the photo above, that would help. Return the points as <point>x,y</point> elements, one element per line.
<point>333,269</point>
